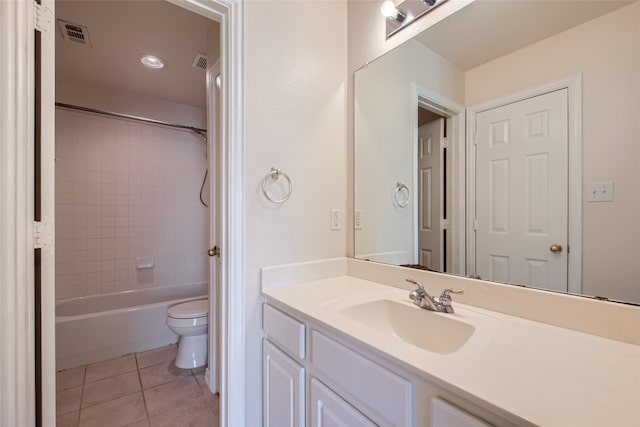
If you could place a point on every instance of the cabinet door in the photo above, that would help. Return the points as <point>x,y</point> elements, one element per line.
<point>282,389</point>
<point>330,410</point>
<point>446,415</point>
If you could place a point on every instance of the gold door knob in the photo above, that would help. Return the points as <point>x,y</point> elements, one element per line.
<point>215,251</point>
<point>555,248</point>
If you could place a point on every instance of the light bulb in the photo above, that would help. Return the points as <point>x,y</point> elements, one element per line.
<point>389,9</point>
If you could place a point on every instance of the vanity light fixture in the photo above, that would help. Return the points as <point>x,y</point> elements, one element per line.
<point>152,61</point>
<point>405,12</point>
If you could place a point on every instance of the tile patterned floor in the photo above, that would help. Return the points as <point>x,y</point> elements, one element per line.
<point>137,390</point>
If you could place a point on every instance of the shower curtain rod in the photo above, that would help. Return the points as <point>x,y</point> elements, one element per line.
<point>129,117</point>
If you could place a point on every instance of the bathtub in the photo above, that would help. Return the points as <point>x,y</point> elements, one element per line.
<point>95,328</point>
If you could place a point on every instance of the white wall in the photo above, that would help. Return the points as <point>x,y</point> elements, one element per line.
<point>385,130</point>
<point>605,51</point>
<point>295,112</point>
<point>105,98</point>
<point>126,190</point>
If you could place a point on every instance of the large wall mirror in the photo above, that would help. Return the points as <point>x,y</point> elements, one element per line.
<point>503,143</point>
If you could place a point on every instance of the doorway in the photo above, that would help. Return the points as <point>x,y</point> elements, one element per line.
<point>133,190</point>
<point>439,234</point>
<point>21,21</point>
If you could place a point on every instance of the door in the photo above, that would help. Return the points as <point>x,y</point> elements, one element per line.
<point>282,389</point>
<point>430,194</point>
<point>330,410</point>
<point>522,192</point>
<point>215,178</point>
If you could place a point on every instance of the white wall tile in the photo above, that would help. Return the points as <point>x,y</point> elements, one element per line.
<point>126,190</point>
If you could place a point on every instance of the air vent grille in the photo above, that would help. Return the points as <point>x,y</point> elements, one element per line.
<point>200,61</point>
<point>74,33</point>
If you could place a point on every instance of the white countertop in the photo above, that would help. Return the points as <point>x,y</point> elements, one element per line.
<point>547,375</point>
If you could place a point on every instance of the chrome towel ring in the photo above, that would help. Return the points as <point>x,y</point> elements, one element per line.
<point>402,202</point>
<point>275,174</point>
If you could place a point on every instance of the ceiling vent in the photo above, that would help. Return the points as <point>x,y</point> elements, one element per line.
<point>74,33</point>
<point>200,61</point>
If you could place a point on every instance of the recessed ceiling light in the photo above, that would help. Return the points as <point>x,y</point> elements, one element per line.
<point>152,61</point>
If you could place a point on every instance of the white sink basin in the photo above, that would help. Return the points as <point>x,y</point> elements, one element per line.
<point>436,332</point>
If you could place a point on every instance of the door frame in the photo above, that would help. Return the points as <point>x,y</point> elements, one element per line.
<point>455,122</point>
<point>17,331</point>
<point>573,84</point>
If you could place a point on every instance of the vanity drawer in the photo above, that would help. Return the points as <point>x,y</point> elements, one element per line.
<point>388,395</point>
<point>285,331</point>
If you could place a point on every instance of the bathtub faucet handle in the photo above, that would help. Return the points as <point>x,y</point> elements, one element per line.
<point>215,251</point>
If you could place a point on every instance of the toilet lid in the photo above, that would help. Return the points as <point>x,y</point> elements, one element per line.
<point>186,310</point>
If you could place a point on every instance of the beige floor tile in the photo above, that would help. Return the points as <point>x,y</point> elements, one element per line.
<point>69,378</point>
<point>161,373</point>
<point>171,395</point>
<point>114,413</point>
<point>68,400</point>
<point>202,381</point>
<point>200,370</point>
<point>214,403</point>
<point>159,355</point>
<point>194,414</point>
<point>110,368</point>
<point>68,420</point>
<point>110,388</point>
<point>141,423</point>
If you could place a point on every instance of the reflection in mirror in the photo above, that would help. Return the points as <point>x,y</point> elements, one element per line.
<point>517,142</point>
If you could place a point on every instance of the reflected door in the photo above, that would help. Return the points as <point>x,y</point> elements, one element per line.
<point>430,194</point>
<point>522,192</point>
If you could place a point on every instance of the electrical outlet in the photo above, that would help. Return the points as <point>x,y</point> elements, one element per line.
<point>357,219</point>
<point>600,192</point>
<point>336,219</point>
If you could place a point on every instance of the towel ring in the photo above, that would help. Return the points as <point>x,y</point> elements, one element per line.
<point>275,174</point>
<point>402,203</point>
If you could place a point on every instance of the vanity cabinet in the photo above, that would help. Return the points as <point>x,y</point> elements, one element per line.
<point>443,414</point>
<point>329,409</point>
<point>315,377</point>
<point>282,389</point>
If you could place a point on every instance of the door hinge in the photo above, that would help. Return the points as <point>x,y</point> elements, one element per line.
<point>475,225</point>
<point>42,18</point>
<point>475,138</point>
<point>444,224</point>
<point>444,143</point>
<point>42,234</point>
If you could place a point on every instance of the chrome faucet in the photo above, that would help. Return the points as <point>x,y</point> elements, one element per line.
<point>422,299</point>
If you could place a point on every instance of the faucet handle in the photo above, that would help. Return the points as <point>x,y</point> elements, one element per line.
<point>444,296</point>
<point>415,282</point>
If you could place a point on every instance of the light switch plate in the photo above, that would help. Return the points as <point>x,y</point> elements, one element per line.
<point>357,219</point>
<point>600,191</point>
<point>336,219</point>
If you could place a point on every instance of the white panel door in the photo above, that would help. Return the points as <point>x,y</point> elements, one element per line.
<point>430,206</point>
<point>522,192</point>
<point>282,389</point>
<point>330,410</point>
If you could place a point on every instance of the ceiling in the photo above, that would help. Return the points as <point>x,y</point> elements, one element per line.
<point>120,31</point>
<point>488,29</point>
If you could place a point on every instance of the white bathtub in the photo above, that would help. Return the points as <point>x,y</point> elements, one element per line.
<point>94,328</point>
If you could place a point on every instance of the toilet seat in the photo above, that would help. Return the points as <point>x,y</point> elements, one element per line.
<point>190,310</point>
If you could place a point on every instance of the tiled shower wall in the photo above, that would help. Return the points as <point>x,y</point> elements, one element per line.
<point>126,190</point>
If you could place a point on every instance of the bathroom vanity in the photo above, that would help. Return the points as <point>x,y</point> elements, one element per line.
<point>342,349</point>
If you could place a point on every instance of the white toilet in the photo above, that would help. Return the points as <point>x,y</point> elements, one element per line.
<point>190,321</point>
